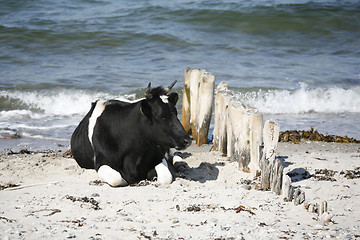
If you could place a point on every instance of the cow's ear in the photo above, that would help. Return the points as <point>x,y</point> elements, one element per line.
<point>173,98</point>
<point>145,109</point>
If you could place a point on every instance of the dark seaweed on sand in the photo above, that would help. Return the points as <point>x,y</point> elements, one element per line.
<point>296,136</point>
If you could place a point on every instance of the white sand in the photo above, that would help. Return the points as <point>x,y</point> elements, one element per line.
<point>200,205</point>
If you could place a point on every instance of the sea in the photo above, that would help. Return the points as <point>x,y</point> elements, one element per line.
<point>297,61</point>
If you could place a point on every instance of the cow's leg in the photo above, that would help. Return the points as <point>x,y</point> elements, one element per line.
<point>169,155</point>
<point>169,159</point>
<point>164,176</point>
<point>111,176</point>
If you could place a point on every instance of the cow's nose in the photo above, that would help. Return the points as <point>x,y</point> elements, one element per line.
<point>184,143</point>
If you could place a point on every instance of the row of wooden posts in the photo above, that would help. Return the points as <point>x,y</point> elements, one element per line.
<point>239,132</point>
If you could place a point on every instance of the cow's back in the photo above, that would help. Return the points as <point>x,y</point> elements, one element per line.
<point>80,144</point>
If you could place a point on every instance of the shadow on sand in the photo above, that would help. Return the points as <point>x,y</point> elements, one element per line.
<point>204,172</point>
<point>297,174</point>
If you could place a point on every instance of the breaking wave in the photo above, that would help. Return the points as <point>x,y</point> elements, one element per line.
<point>303,100</point>
<point>35,104</point>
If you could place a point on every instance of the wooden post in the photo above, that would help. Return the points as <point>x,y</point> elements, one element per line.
<point>185,117</point>
<point>223,125</point>
<point>222,87</point>
<point>256,140</point>
<point>270,138</point>
<point>197,103</point>
<point>234,127</point>
<point>312,208</point>
<point>324,216</point>
<point>299,196</point>
<point>195,79</point>
<point>287,189</point>
<point>204,107</point>
<point>247,146</point>
<point>242,146</point>
<point>276,177</point>
<point>265,176</point>
<point>220,117</point>
<point>322,208</point>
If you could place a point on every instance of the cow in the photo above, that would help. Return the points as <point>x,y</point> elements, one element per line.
<point>126,141</point>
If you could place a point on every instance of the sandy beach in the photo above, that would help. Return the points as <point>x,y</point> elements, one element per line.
<point>238,66</point>
<point>47,196</point>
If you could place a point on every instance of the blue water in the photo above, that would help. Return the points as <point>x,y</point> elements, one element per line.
<point>297,61</point>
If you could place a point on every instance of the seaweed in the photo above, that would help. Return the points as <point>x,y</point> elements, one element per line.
<point>68,154</point>
<point>26,151</point>
<point>241,208</point>
<point>296,136</point>
<point>351,174</point>
<point>77,222</point>
<point>96,183</point>
<point>193,208</point>
<point>92,201</point>
<point>324,175</point>
<point>22,151</point>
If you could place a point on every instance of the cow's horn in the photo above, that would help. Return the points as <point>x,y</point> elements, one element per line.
<point>167,90</point>
<point>147,91</point>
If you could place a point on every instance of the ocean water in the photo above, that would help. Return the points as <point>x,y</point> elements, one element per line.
<point>297,61</point>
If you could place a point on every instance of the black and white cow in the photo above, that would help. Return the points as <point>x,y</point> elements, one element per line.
<point>124,141</point>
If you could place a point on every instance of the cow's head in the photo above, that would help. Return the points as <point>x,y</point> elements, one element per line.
<point>164,126</point>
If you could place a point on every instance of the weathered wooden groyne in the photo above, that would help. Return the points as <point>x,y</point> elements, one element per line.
<point>197,103</point>
<point>239,133</point>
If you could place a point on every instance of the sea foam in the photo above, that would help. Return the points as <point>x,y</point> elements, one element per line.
<point>51,102</point>
<point>303,100</point>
